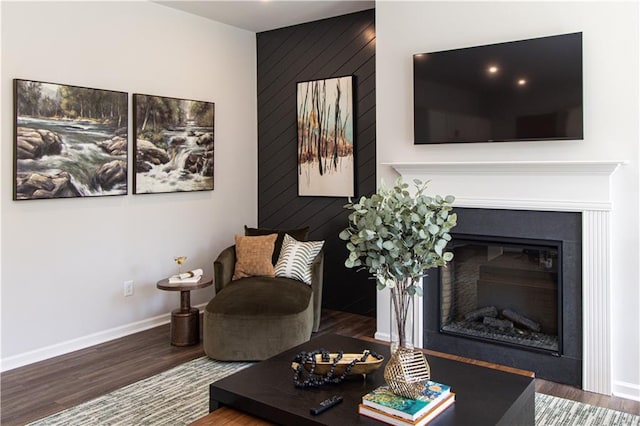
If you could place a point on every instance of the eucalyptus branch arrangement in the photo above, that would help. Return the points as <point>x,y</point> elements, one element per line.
<point>397,235</point>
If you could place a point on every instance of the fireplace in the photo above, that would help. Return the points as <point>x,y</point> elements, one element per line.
<point>512,294</point>
<point>503,290</point>
<point>577,187</point>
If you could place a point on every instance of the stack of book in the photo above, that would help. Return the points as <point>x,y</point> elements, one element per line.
<point>383,405</point>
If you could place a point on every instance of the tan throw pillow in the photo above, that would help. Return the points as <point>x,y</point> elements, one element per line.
<point>253,256</point>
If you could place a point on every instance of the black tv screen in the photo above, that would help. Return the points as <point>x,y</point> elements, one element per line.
<point>517,91</point>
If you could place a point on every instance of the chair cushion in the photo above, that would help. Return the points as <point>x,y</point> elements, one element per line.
<point>296,258</point>
<point>261,296</point>
<point>301,234</point>
<point>253,256</point>
<point>256,318</point>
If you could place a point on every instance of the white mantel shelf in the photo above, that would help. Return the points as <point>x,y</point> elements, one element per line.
<point>530,185</point>
<point>573,186</point>
<point>509,167</point>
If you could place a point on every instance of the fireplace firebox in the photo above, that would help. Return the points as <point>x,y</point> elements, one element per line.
<point>503,290</point>
<point>512,294</point>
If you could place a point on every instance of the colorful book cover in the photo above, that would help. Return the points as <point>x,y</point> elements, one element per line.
<point>391,419</point>
<point>384,399</point>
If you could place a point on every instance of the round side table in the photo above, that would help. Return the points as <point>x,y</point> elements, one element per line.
<point>185,322</point>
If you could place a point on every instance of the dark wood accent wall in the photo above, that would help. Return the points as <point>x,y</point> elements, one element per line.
<point>333,47</point>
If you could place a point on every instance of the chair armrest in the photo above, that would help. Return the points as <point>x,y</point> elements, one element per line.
<point>317,268</point>
<point>223,267</point>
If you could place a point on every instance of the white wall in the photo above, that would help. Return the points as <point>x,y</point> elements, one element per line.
<point>611,111</point>
<point>64,261</point>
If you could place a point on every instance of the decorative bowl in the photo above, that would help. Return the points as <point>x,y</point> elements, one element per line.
<point>369,365</point>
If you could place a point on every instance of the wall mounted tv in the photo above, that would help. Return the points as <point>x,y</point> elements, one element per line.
<point>517,91</point>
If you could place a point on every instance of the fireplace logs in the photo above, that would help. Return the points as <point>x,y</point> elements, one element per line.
<point>488,311</point>
<point>522,320</point>
<point>504,325</point>
<point>489,316</point>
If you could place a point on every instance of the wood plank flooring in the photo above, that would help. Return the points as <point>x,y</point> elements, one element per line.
<point>34,391</point>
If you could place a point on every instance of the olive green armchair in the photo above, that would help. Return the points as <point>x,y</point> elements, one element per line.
<point>253,318</point>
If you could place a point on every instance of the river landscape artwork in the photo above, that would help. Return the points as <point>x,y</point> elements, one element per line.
<point>173,144</point>
<point>70,141</point>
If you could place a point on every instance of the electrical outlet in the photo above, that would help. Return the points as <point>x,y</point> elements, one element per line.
<point>128,288</point>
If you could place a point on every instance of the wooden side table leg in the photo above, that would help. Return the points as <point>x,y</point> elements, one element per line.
<point>185,300</point>
<point>185,327</point>
<point>185,322</point>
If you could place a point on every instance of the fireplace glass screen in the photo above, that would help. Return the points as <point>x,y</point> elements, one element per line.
<point>503,291</point>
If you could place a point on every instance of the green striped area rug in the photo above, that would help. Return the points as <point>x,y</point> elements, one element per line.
<point>558,411</point>
<point>181,395</point>
<point>175,397</point>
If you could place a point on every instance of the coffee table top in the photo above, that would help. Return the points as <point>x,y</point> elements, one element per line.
<point>484,396</point>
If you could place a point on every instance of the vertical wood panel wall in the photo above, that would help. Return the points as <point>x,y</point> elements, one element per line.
<point>333,47</point>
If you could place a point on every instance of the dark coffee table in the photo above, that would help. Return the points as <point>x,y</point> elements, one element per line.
<point>484,396</point>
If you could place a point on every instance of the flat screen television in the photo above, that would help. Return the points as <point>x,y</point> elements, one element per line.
<point>523,90</point>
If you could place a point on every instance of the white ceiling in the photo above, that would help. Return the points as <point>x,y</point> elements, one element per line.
<point>265,15</point>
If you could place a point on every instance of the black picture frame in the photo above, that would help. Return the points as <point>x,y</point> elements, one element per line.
<point>173,144</point>
<point>69,141</point>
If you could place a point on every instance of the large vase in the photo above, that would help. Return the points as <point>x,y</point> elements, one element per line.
<point>407,371</point>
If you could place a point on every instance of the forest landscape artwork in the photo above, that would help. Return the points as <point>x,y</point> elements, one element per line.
<point>70,141</point>
<point>325,137</point>
<point>173,144</point>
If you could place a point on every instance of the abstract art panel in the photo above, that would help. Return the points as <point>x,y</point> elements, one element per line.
<point>326,165</point>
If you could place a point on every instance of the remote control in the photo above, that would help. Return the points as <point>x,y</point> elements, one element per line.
<point>326,404</point>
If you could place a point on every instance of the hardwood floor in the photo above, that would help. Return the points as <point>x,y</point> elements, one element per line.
<point>34,391</point>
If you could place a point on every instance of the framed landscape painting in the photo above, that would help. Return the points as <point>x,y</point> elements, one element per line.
<point>326,165</point>
<point>70,141</point>
<point>173,142</point>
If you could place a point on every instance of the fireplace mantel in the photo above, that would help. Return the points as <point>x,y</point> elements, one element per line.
<point>576,186</point>
<point>530,185</point>
<point>509,167</point>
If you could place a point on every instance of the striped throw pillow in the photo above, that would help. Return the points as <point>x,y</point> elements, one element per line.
<point>296,258</point>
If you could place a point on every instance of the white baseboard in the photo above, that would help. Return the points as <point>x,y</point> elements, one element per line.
<point>382,336</point>
<point>626,390</point>
<point>62,348</point>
